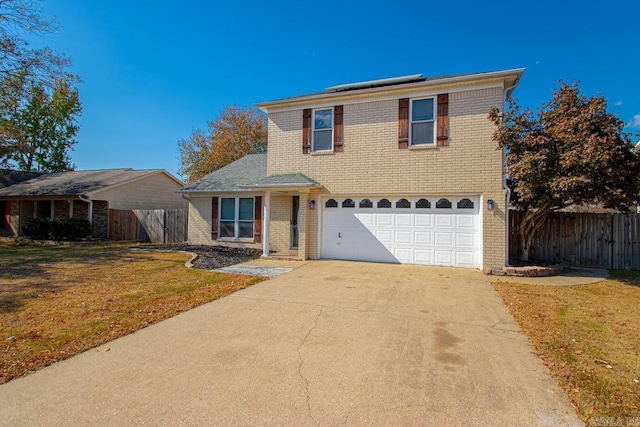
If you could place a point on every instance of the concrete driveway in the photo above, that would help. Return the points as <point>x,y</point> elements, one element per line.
<point>329,343</point>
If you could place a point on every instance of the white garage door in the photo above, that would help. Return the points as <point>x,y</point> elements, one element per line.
<point>431,231</point>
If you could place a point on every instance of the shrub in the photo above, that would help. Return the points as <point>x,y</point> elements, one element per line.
<point>57,229</point>
<point>37,228</point>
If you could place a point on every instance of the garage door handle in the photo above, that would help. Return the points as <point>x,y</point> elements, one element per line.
<point>339,236</point>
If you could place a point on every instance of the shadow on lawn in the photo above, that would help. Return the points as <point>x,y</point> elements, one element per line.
<point>27,272</point>
<point>630,277</point>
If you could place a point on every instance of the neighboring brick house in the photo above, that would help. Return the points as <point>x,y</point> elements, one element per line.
<point>85,194</point>
<point>400,170</point>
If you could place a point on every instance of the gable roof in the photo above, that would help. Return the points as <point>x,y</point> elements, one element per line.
<point>284,180</point>
<point>398,86</point>
<point>250,168</point>
<point>75,183</point>
<point>10,177</point>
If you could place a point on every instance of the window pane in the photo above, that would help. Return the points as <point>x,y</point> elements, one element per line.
<point>403,204</point>
<point>384,203</point>
<point>422,133</point>
<point>443,204</point>
<point>228,209</point>
<point>245,229</point>
<point>322,140</point>
<point>331,203</point>
<point>423,204</point>
<point>366,203</point>
<point>348,203</point>
<point>226,229</point>
<point>323,119</point>
<point>465,204</point>
<point>422,109</point>
<point>246,209</point>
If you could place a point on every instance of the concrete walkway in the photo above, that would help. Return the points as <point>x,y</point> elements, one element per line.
<point>574,277</point>
<point>328,343</point>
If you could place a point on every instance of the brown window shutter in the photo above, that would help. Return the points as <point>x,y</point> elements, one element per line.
<point>306,131</point>
<point>403,123</point>
<point>337,129</point>
<point>443,120</point>
<point>214,218</point>
<point>257,220</point>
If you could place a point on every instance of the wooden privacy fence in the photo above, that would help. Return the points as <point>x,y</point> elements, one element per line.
<point>154,225</point>
<point>591,240</point>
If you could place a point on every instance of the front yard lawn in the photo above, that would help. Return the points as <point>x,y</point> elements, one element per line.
<point>589,337</point>
<point>57,301</point>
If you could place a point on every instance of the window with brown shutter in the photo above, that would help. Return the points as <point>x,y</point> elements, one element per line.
<point>306,131</point>
<point>403,123</point>
<point>443,120</point>
<point>214,218</point>
<point>257,220</point>
<point>337,129</point>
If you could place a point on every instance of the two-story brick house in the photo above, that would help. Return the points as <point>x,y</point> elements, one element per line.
<point>400,170</point>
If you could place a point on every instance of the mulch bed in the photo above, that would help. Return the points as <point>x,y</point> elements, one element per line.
<point>212,257</point>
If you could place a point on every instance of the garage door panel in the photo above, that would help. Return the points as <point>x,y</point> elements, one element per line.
<point>431,236</point>
<point>465,240</point>
<point>384,219</point>
<point>402,237</point>
<point>403,220</point>
<point>443,238</point>
<point>465,259</point>
<point>423,237</point>
<point>403,255</point>
<point>444,221</point>
<point>423,256</point>
<point>443,257</point>
<point>465,221</point>
<point>423,220</point>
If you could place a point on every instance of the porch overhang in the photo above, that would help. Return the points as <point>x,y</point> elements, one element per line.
<point>293,182</point>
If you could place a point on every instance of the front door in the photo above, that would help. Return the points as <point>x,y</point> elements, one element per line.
<point>295,204</point>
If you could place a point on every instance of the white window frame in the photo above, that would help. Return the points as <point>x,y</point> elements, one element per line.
<point>236,219</point>
<point>313,128</point>
<point>434,120</point>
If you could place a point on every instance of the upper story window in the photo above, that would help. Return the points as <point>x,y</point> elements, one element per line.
<point>423,121</point>
<point>323,129</point>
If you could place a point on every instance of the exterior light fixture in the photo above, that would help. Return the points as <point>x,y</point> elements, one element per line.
<point>312,204</point>
<point>490,204</point>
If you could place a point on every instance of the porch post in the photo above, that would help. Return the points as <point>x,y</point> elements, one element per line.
<point>265,225</point>
<point>71,209</point>
<point>53,209</point>
<point>90,215</point>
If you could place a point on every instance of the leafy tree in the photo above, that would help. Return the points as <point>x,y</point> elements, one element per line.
<point>236,132</point>
<point>17,19</point>
<point>38,125</point>
<point>574,152</point>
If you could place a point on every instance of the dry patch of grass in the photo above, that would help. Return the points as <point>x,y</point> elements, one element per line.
<point>58,301</point>
<point>589,337</point>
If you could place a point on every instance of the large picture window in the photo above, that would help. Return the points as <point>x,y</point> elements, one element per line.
<point>236,217</point>
<point>323,129</point>
<point>423,121</point>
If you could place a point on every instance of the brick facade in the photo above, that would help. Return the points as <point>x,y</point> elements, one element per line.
<point>372,164</point>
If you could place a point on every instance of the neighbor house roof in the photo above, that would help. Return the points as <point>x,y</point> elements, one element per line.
<point>233,177</point>
<point>75,183</point>
<point>11,177</point>
<point>394,86</point>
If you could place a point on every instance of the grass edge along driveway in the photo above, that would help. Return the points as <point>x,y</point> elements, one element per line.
<point>58,301</point>
<point>587,336</point>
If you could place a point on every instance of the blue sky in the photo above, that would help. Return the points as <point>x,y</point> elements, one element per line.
<point>154,71</point>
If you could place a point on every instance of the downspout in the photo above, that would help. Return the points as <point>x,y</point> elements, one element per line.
<point>504,181</point>
<point>84,199</point>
